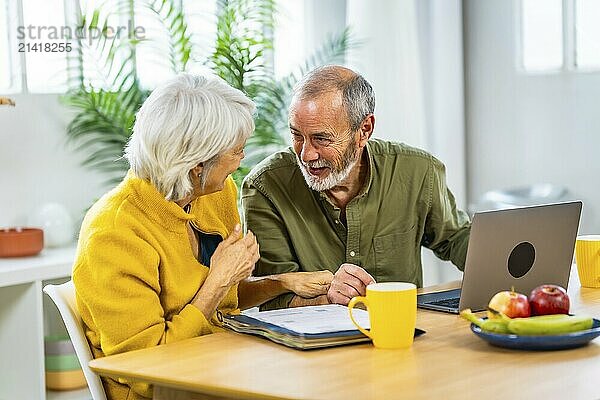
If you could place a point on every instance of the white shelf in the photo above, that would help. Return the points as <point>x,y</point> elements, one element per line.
<point>22,323</point>
<point>49,264</point>
<point>79,394</point>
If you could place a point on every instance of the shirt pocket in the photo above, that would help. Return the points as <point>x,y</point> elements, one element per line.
<point>395,256</point>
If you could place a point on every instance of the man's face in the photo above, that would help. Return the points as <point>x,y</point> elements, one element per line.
<point>326,149</point>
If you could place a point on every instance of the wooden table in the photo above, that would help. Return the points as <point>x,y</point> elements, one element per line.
<point>448,362</point>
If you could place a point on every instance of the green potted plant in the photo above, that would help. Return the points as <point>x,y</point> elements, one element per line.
<point>105,107</point>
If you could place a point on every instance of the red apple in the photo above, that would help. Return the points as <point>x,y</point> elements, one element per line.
<point>511,304</point>
<point>549,299</point>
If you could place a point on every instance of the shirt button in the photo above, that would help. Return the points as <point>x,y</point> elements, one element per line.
<point>352,254</point>
<point>337,221</point>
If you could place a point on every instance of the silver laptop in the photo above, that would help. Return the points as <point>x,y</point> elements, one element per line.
<point>521,248</point>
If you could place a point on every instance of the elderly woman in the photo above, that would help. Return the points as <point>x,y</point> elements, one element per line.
<point>161,254</point>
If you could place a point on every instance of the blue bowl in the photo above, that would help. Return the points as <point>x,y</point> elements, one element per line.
<point>545,342</point>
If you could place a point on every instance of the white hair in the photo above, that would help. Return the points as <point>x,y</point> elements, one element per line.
<point>357,93</point>
<point>186,121</point>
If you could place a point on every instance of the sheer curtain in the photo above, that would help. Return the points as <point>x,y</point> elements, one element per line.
<point>412,54</point>
<point>441,50</point>
<point>389,58</point>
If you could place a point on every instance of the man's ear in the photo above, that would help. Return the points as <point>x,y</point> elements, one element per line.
<point>366,129</point>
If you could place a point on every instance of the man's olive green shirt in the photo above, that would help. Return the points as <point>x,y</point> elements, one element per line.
<point>404,204</point>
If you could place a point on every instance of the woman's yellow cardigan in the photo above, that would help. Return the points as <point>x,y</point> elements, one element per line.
<point>135,274</point>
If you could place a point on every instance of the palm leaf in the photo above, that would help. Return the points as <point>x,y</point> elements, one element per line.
<point>274,97</point>
<point>174,39</point>
<point>105,97</point>
<point>105,90</point>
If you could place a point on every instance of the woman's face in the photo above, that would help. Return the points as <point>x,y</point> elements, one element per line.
<point>226,164</point>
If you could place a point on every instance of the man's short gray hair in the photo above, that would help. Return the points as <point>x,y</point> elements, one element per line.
<point>188,120</point>
<point>358,96</point>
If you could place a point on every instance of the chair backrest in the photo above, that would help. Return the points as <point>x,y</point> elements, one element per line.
<point>64,298</point>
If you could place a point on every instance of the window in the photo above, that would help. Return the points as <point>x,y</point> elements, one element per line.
<point>289,23</point>
<point>95,72</point>
<point>587,33</point>
<point>152,53</point>
<point>39,36</point>
<point>4,60</point>
<point>8,81</point>
<point>560,35</point>
<point>152,60</point>
<point>542,34</point>
<point>39,26</point>
<point>202,22</point>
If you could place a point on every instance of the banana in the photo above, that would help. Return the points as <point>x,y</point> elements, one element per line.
<point>553,324</point>
<point>494,326</point>
<point>488,325</point>
<point>549,324</point>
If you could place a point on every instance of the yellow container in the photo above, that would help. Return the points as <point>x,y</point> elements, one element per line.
<point>65,380</point>
<point>587,256</point>
<point>392,308</point>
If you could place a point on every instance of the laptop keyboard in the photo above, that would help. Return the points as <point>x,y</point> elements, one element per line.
<point>452,303</point>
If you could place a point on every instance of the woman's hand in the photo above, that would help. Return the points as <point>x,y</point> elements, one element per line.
<point>307,284</point>
<point>234,258</point>
<point>232,262</point>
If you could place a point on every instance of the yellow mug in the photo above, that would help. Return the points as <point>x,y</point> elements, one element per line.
<point>392,308</point>
<point>587,256</point>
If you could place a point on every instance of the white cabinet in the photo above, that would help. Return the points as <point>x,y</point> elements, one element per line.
<point>22,322</point>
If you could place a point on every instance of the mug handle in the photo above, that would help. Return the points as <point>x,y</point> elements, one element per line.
<point>353,302</point>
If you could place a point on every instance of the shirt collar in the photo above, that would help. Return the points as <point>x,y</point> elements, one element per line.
<point>369,180</point>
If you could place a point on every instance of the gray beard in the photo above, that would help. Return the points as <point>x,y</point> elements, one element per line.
<point>334,178</point>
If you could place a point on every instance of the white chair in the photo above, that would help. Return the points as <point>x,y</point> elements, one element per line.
<point>64,298</point>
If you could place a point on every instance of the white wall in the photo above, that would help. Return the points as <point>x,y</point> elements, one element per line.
<point>322,19</point>
<point>441,48</point>
<point>441,52</point>
<point>524,128</point>
<point>389,59</point>
<point>37,166</point>
<point>412,55</point>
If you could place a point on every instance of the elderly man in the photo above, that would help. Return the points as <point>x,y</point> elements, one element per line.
<point>338,200</point>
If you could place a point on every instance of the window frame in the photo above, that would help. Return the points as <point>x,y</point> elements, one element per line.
<point>17,79</point>
<point>569,42</point>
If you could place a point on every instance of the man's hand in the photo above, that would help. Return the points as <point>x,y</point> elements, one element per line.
<point>349,281</point>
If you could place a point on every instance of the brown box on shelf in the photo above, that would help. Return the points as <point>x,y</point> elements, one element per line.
<point>21,242</point>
